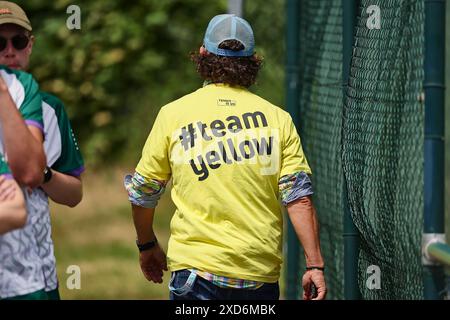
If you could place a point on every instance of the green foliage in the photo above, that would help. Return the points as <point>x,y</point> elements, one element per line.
<point>130,58</point>
<point>447,125</point>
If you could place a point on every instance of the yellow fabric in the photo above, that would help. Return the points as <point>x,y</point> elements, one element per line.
<point>228,219</point>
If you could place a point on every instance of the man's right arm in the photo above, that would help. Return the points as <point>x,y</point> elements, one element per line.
<point>144,194</point>
<point>23,145</point>
<point>145,188</point>
<point>153,261</point>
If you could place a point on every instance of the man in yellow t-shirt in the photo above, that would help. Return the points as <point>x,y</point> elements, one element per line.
<point>231,156</point>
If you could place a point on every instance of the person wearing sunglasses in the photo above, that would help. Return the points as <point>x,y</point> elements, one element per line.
<point>18,42</point>
<point>21,144</point>
<point>61,178</point>
<point>27,170</point>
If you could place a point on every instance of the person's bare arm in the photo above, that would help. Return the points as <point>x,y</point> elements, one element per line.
<point>304,220</point>
<point>13,214</point>
<point>23,145</point>
<point>153,261</point>
<point>64,189</point>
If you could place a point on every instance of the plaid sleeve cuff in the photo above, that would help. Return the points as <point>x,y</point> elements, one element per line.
<point>142,191</point>
<point>294,186</point>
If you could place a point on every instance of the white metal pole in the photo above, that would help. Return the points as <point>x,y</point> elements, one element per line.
<point>236,7</point>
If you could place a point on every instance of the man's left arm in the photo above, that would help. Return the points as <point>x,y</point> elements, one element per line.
<point>63,182</point>
<point>304,220</point>
<point>296,190</point>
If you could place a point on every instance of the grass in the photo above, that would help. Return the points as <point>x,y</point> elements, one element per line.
<point>99,237</point>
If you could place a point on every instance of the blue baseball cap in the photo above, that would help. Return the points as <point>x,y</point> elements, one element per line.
<point>229,27</point>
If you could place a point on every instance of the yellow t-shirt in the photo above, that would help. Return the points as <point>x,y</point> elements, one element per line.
<point>225,149</point>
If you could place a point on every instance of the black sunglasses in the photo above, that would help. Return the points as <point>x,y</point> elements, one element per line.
<point>19,42</point>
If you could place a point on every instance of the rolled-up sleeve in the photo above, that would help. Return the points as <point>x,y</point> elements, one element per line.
<point>144,192</point>
<point>294,186</point>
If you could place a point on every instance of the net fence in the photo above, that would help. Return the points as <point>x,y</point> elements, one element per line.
<point>375,134</point>
<point>321,100</point>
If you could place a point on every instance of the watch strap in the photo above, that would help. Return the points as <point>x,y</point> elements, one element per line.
<point>147,245</point>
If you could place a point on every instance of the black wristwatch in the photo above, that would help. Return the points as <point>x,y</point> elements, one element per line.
<point>48,174</point>
<point>315,268</point>
<point>146,246</point>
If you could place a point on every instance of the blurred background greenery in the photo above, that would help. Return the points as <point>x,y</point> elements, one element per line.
<point>129,59</point>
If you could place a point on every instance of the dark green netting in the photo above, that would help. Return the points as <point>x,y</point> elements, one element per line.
<point>383,147</point>
<point>320,125</point>
<point>378,134</point>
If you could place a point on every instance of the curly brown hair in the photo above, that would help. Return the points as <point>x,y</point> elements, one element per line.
<point>235,71</point>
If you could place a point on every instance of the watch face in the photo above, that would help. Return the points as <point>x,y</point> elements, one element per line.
<point>47,174</point>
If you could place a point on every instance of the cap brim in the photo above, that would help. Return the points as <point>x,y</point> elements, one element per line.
<point>18,22</point>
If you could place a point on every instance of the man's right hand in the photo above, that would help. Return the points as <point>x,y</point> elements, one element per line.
<point>153,262</point>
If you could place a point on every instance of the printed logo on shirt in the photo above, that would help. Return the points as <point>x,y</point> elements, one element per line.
<point>226,103</point>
